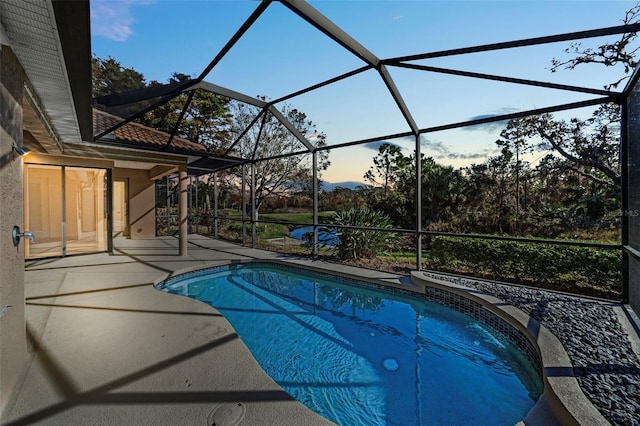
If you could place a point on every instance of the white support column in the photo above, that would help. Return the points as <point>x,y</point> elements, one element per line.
<point>215,205</point>
<point>183,202</point>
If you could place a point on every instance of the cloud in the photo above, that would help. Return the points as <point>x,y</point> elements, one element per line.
<point>375,146</point>
<point>440,150</point>
<point>493,125</point>
<point>397,17</point>
<point>485,153</point>
<point>113,19</point>
<point>437,149</point>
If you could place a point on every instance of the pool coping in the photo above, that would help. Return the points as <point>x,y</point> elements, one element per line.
<point>562,401</point>
<point>562,398</point>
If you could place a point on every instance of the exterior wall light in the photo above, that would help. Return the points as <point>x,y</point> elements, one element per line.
<point>20,150</point>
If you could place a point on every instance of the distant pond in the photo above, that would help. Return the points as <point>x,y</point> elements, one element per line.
<point>326,236</point>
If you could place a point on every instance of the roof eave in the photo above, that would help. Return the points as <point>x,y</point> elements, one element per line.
<point>74,30</point>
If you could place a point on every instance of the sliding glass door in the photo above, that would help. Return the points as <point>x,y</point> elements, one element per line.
<point>43,210</point>
<point>65,209</point>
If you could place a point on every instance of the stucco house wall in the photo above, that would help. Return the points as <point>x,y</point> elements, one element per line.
<point>142,199</point>
<point>13,347</point>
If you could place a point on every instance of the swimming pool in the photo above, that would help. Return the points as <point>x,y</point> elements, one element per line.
<point>358,354</point>
<point>326,236</point>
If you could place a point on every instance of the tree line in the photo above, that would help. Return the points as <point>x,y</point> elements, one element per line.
<point>224,127</point>
<point>573,189</point>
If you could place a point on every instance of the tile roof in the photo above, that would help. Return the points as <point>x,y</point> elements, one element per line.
<point>139,134</point>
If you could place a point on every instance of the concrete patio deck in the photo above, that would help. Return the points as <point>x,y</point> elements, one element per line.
<point>106,348</point>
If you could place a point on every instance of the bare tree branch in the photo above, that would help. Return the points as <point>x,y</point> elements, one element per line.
<point>610,54</point>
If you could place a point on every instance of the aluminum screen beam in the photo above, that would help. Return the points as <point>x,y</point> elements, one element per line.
<point>509,79</point>
<point>632,82</point>
<point>295,132</point>
<point>232,94</point>
<point>395,93</point>
<point>322,84</point>
<point>504,117</point>
<point>331,30</point>
<point>244,132</point>
<point>137,95</point>
<point>234,39</point>
<point>174,131</point>
<point>322,23</point>
<point>519,43</point>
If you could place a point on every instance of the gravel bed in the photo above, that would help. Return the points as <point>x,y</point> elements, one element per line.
<point>604,362</point>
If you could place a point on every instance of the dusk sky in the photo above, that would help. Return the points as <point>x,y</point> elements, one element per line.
<point>281,54</point>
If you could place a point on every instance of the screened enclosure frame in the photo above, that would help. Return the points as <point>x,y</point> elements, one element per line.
<point>219,162</point>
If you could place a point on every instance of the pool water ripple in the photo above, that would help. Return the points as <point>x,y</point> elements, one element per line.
<point>361,356</point>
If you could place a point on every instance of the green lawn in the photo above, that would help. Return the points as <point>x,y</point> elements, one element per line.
<point>268,231</point>
<point>306,217</point>
<point>513,256</point>
<point>323,217</point>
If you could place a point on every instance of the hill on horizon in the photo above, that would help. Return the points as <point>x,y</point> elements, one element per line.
<point>330,186</point>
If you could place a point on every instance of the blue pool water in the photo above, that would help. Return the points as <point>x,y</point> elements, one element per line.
<point>358,355</point>
<point>326,236</point>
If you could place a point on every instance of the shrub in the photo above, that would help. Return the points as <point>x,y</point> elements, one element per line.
<point>358,243</point>
<point>565,267</point>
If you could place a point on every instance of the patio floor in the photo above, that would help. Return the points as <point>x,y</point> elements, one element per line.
<point>107,348</point>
